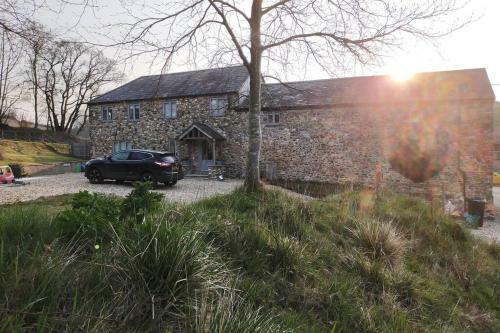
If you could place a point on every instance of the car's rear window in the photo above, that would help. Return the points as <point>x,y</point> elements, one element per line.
<point>137,156</point>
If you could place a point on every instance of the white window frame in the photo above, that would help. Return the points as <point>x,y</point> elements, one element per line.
<point>135,115</point>
<point>218,111</point>
<point>170,114</point>
<point>108,110</point>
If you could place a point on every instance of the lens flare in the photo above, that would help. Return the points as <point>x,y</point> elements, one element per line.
<point>401,74</point>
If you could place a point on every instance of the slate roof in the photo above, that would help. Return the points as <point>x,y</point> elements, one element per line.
<point>468,84</point>
<point>194,83</point>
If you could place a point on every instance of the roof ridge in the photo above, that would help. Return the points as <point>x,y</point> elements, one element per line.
<point>193,71</point>
<point>374,76</point>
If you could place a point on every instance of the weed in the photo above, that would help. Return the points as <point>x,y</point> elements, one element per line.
<point>141,201</point>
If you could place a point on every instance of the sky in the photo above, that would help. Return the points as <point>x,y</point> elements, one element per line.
<point>475,46</point>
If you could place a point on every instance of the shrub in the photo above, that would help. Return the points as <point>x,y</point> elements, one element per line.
<point>379,241</point>
<point>140,202</point>
<point>91,215</point>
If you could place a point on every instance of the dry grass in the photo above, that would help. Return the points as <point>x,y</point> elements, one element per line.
<point>379,241</point>
<point>32,153</point>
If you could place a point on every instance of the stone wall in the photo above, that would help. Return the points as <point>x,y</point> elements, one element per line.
<point>338,145</point>
<point>354,144</point>
<point>153,131</point>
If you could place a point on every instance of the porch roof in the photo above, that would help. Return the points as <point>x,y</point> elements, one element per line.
<point>207,130</point>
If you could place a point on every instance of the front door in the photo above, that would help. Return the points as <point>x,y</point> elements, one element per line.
<point>204,155</point>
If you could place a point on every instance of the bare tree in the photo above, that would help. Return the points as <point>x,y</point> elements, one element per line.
<point>286,33</point>
<point>16,15</point>
<point>10,79</point>
<point>70,74</point>
<point>37,39</point>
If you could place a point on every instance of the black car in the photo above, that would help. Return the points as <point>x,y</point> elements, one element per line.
<point>131,165</point>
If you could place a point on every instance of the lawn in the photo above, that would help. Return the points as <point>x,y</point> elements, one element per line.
<point>30,153</point>
<point>264,262</point>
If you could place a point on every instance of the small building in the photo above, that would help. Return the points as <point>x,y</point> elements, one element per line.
<point>345,130</point>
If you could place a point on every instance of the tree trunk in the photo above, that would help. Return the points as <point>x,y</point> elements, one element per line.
<point>252,181</point>
<point>35,88</point>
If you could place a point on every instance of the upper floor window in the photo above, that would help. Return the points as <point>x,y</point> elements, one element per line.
<point>107,113</point>
<point>218,106</point>
<point>170,109</point>
<point>272,118</point>
<point>133,112</point>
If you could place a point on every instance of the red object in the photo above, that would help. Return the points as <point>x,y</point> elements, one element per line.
<point>6,175</point>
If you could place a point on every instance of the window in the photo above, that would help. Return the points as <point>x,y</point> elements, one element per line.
<point>121,156</point>
<point>218,106</point>
<point>170,109</point>
<point>133,112</point>
<point>172,146</point>
<point>139,156</point>
<point>123,145</point>
<point>107,113</point>
<point>272,118</point>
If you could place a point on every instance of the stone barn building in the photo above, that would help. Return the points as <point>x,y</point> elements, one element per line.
<point>360,130</point>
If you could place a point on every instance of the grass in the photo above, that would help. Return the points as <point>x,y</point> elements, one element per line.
<point>263,262</point>
<point>32,153</point>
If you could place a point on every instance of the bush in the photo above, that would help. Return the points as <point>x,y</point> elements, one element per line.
<point>91,216</point>
<point>141,201</point>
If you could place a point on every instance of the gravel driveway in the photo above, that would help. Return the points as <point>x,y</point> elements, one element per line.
<point>186,190</point>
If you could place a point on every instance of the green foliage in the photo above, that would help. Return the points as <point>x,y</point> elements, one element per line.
<point>91,216</point>
<point>140,202</point>
<point>261,262</point>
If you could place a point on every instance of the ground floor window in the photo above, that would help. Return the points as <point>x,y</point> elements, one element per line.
<point>272,118</point>
<point>122,145</point>
<point>172,146</point>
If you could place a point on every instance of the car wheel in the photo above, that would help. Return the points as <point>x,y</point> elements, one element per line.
<point>148,177</point>
<point>95,176</point>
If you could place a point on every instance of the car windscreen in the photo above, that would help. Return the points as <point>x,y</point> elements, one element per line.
<point>168,158</point>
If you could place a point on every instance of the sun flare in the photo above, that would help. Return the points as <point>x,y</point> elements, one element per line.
<point>401,74</point>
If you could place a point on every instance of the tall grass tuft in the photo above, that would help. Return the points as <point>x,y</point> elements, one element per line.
<point>379,241</point>
<point>230,313</point>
